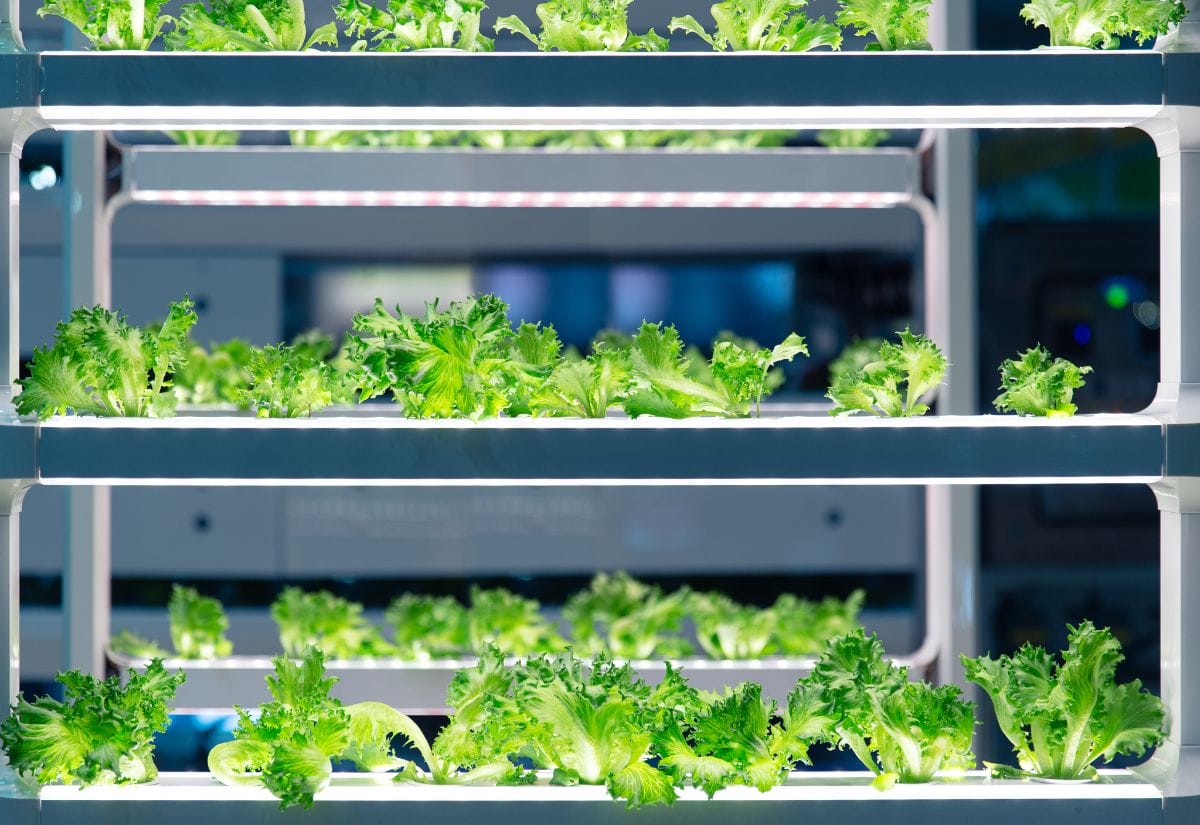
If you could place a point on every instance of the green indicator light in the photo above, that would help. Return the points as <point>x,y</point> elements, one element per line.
<point>1117,296</point>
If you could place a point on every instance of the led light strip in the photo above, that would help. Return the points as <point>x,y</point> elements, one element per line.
<point>525,200</point>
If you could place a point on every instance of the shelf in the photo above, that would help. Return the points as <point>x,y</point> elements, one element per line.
<point>587,90</point>
<point>288,175</point>
<point>420,687</point>
<point>389,450</point>
<point>844,797</point>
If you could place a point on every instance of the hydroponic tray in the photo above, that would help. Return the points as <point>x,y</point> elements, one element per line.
<point>293,175</point>
<point>420,687</point>
<point>843,797</point>
<point>236,450</point>
<point>685,90</point>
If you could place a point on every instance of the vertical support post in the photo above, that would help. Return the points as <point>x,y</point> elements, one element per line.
<point>87,571</point>
<point>10,259</point>
<point>10,588</point>
<point>951,513</point>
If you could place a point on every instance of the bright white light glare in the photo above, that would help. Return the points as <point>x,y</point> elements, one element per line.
<point>554,200</point>
<point>599,117</point>
<point>803,786</point>
<point>42,178</point>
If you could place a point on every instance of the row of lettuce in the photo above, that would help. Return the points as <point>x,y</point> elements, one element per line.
<point>575,25</point>
<point>616,615</point>
<point>468,360</point>
<point>711,140</point>
<point>568,721</point>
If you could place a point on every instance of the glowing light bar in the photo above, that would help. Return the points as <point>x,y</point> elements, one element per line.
<point>807,786</point>
<point>599,117</point>
<point>551,200</point>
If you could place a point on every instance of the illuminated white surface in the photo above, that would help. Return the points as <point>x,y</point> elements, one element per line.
<point>847,786</point>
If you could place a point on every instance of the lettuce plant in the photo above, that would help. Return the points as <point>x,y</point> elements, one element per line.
<point>110,25</point>
<point>204,137</point>
<point>102,733</point>
<point>332,624</point>
<point>902,731</point>
<point>1101,23</point>
<point>627,618</point>
<point>894,383</point>
<point>762,25</point>
<point>428,627</point>
<point>198,625</point>
<point>1064,715</point>
<point>895,24</point>
<point>241,26</point>
<point>583,26</point>
<point>512,623</point>
<point>851,138</point>
<point>1034,383</point>
<point>415,24</point>
<point>101,365</point>
<point>804,628</point>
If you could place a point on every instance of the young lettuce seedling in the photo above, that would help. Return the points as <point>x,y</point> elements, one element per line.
<point>896,24</point>
<point>1034,383</point>
<point>415,24</point>
<point>763,25</point>
<point>198,625</point>
<point>111,25</point>
<point>584,26</point>
<point>894,383</point>
<point>1099,24</point>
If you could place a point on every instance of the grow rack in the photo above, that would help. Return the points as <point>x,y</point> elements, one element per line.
<point>1158,92</point>
<point>643,178</point>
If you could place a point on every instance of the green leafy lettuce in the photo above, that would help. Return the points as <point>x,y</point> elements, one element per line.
<point>214,376</point>
<point>851,138</point>
<point>803,627</point>
<point>334,625</point>
<point>101,365</point>
<point>110,25</point>
<point>671,385</point>
<point>627,618</point>
<point>587,388</point>
<point>204,137</point>
<point>428,627</point>
<point>1064,715</point>
<point>1101,23</point>
<point>896,24</point>
<point>415,24</point>
<point>510,622</point>
<point>128,643</point>
<point>288,748</point>
<point>1034,383</point>
<point>241,26</point>
<point>451,363</point>
<point>902,731</point>
<point>728,630</point>
<point>583,26</point>
<point>740,738</point>
<point>198,625</point>
<point>102,733</point>
<point>763,25</point>
<point>286,381</point>
<point>894,384</point>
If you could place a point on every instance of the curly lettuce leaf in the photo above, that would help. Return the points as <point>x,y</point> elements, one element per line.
<point>728,630</point>
<point>1064,715</point>
<point>627,618</point>
<point>198,625</point>
<point>101,733</point>
<point>126,25</point>
<point>804,628</point>
<point>332,624</point>
<point>894,384</point>
<point>895,24</point>
<point>762,25</point>
<point>238,26</point>
<point>512,623</point>
<point>1034,383</point>
<point>415,24</point>
<point>99,364</point>
<point>583,26</point>
<point>428,627</point>
<point>1101,23</point>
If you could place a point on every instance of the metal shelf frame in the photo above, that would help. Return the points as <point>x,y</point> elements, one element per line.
<point>1158,92</point>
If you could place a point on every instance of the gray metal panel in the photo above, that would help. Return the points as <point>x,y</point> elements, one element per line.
<point>383,450</point>
<point>196,799</point>
<point>1183,450</point>
<point>18,450</point>
<point>19,80</point>
<point>292,169</point>
<point>1182,78</point>
<point>587,79</point>
<point>607,90</point>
